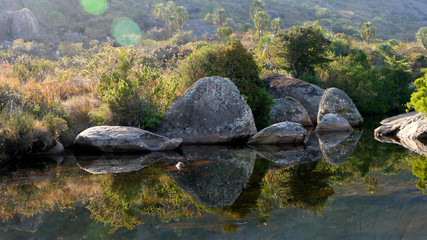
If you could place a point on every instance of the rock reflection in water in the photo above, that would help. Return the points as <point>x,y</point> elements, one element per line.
<point>411,144</point>
<point>23,223</point>
<point>122,163</point>
<point>214,175</point>
<point>291,154</point>
<point>338,147</point>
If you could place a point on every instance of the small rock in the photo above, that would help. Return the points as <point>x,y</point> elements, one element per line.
<point>333,123</point>
<point>280,133</point>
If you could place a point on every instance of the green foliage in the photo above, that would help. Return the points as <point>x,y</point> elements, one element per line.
<point>276,24</point>
<point>236,63</point>
<point>419,97</point>
<point>129,101</point>
<point>422,37</point>
<point>30,68</point>
<point>223,33</point>
<point>256,6</point>
<point>55,125</point>
<point>323,13</point>
<point>220,17</point>
<point>173,16</point>
<point>367,31</point>
<point>301,48</point>
<point>261,21</point>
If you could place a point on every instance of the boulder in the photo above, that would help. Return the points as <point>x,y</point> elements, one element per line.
<point>58,149</point>
<point>337,147</point>
<point>280,133</point>
<point>281,86</point>
<point>411,125</point>
<point>200,28</point>
<point>211,111</point>
<point>124,139</point>
<point>22,24</point>
<point>333,123</point>
<point>289,109</point>
<point>215,176</point>
<point>337,102</point>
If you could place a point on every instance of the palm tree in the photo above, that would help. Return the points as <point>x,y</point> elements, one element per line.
<point>160,11</point>
<point>256,6</point>
<point>367,31</point>
<point>180,15</point>
<point>265,44</point>
<point>220,17</point>
<point>261,21</point>
<point>276,25</point>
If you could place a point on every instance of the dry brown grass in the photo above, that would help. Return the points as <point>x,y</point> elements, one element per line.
<point>79,110</point>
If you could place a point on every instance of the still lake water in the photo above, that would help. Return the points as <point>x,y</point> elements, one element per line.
<point>348,187</point>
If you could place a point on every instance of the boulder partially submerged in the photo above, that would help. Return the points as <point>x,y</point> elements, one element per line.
<point>280,133</point>
<point>124,139</point>
<point>309,95</point>
<point>333,123</point>
<point>337,102</point>
<point>211,111</point>
<point>411,125</point>
<point>289,109</point>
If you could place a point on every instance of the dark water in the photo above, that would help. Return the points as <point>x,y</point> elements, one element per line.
<point>346,187</point>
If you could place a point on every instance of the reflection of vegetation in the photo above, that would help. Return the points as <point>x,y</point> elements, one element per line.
<point>419,169</point>
<point>305,187</point>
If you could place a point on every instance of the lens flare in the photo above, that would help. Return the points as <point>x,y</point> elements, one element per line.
<point>95,7</point>
<point>126,32</point>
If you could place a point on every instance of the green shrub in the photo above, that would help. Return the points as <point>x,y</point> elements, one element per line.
<point>129,96</point>
<point>419,98</point>
<point>27,68</point>
<point>232,61</point>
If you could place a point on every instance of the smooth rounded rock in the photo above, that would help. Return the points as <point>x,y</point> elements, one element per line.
<point>124,139</point>
<point>280,133</point>
<point>333,123</point>
<point>337,102</point>
<point>211,111</point>
<point>21,24</point>
<point>289,109</point>
<point>281,86</point>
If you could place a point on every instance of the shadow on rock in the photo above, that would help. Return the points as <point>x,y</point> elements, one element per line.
<point>111,163</point>
<point>337,147</point>
<point>214,175</point>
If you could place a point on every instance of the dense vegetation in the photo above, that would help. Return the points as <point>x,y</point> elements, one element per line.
<point>52,90</point>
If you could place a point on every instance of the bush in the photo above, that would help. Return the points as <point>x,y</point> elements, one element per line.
<point>80,112</point>
<point>232,61</point>
<point>130,97</point>
<point>419,98</point>
<point>30,68</point>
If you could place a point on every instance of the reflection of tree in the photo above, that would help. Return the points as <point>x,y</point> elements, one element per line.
<point>419,169</point>
<point>305,187</point>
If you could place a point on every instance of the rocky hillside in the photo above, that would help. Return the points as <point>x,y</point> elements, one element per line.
<point>393,18</point>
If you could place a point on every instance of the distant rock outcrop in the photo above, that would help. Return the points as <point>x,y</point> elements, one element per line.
<point>280,133</point>
<point>211,111</point>
<point>289,109</point>
<point>21,24</point>
<point>124,139</point>
<point>337,102</point>
<point>309,95</point>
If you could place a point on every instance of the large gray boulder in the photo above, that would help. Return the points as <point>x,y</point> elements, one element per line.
<point>411,125</point>
<point>280,133</point>
<point>21,24</point>
<point>217,180</point>
<point>289,109</point>
<point>281,86</point>
<point>337,102</point>
<point>124,139</point>
<point>333,123</point>
<point>211,111</point>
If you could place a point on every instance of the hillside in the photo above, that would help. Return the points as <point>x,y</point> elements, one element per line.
<point>393,18</point>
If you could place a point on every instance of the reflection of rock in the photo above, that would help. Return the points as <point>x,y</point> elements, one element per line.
<point>211,111</point>
<point>24,223</point>
<point>287,154</point>
<point>280,133</point>
<point>122,163</point>
<point>338,146</point>
<point>124,139</point>
<point>214,175</point>
<point>411,144</point>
